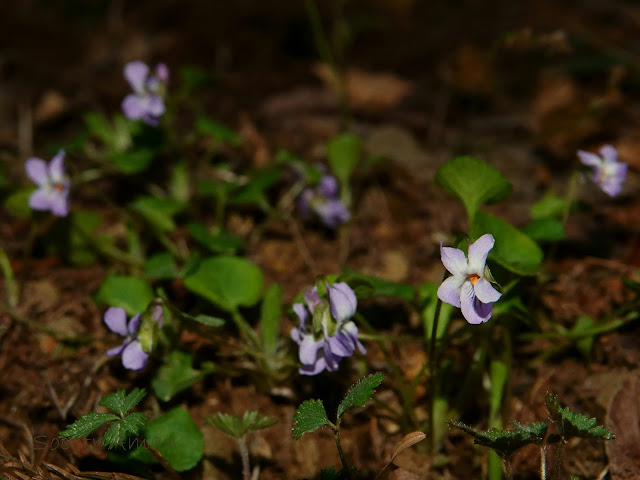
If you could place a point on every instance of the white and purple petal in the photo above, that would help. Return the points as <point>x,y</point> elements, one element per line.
<point>485,291</point>
<point>328,186</point>
<point>56,168</point>
<point>589,159</point>
<point>309,349</point>
<point>478,252</point>
<point>342,300</point>
<point>474,311</point>
<point>609,154</point>
<point>454,260</point>
<point>134,325</point>
<point>301,312</point>
<point>449,290</point>
<point>135,106</point>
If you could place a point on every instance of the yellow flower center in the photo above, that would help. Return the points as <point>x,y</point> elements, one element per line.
<point>474,277</point>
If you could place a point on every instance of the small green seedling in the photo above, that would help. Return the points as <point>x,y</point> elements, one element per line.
<point>238,428</point>
<point>124,424</point>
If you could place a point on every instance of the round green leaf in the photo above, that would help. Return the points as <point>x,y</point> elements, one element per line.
<point>343,153</point>
<point>131,293</point>
<point>228,282</point>
<point>473,182</point>
<point>513,249</point>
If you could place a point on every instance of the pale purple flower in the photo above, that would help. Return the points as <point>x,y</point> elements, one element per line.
<point>337,335</point>
<point>133,355</point>
<point>53,185</point>
<point>608,173</point>
<point>147,100</point>
<point>468,287</point>
<point>324,203</point>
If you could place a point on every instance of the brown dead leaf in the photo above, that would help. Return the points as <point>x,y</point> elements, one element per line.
<point>367,91</point>
<point>623,419</point>
<point>51,105</point>
<point>470,71</point>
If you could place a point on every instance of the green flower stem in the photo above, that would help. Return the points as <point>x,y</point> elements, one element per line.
<point>433,371</point>
<point>343,459</point>
<point>245,328</point>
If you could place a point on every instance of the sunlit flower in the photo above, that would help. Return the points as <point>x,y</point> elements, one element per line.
<point>323,202</point>
<point>53,185</point>
<point>326,333</point>
<point>608,173</point>
<point>147,100</point>
<point>469,288</point>
<point>134,356</point>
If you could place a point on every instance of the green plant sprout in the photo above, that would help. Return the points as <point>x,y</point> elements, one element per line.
<point>506,442</point>
<point>238,428</point>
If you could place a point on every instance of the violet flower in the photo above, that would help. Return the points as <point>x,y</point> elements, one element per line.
<point>469,288</point>
<point>608,173</point>
<point>330,336</point>
<point>133,354</point>
<point>323,202</point>
<point>147,100</point>
<point>53,185</point>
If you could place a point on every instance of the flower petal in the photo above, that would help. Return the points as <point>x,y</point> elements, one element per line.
<point>135,106</point>
<point>478,252</point>
<point>56,168</point>
<point>485,291</point>
<point>309,349</point>
<point>342,300</point>
<point>37,171</point>
<point>589,159</point>
<point>116,350</point>
<point>41,199</point>
<point>613,181</point>
<point>328,186</point>
<point>134,325</point>
<point>136,74</point>
<point>301,312</point>
<point>162,72</point>
<point>609,154</point>
<point>116,320</point>
<point>473,310</point>
<point>155,107</point>
<point>341,344</point>
<point>332,212</point>
<point>351,329</point>
<point>315,368</point>
<point>331,359</point>
<point>311,298</point>
<point>133,357</point>
<point>59,203</point>
<point>449,290</point>
<point>453,260</point>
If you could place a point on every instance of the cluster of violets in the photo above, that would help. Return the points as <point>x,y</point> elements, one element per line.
<point>134,355</point>
<point>326,333</point>
<point>322,201</point>
<point>608,173</point>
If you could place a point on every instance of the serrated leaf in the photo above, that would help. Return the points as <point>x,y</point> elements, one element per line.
<point>117,433</point>
<point>513,249</point>
<point>87,424</point>
<point>176,375</point>
<point>120,403</point>
<point>505,442</point>
<point>571,424</point>
<point>473,182</point>
<point>228,282</point>
<point>237,427</point>
<point>310,416</point>
<point>360,393</point>
<point>131,293</point>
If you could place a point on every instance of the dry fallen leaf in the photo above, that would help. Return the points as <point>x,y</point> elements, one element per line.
<point>623,419</point>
